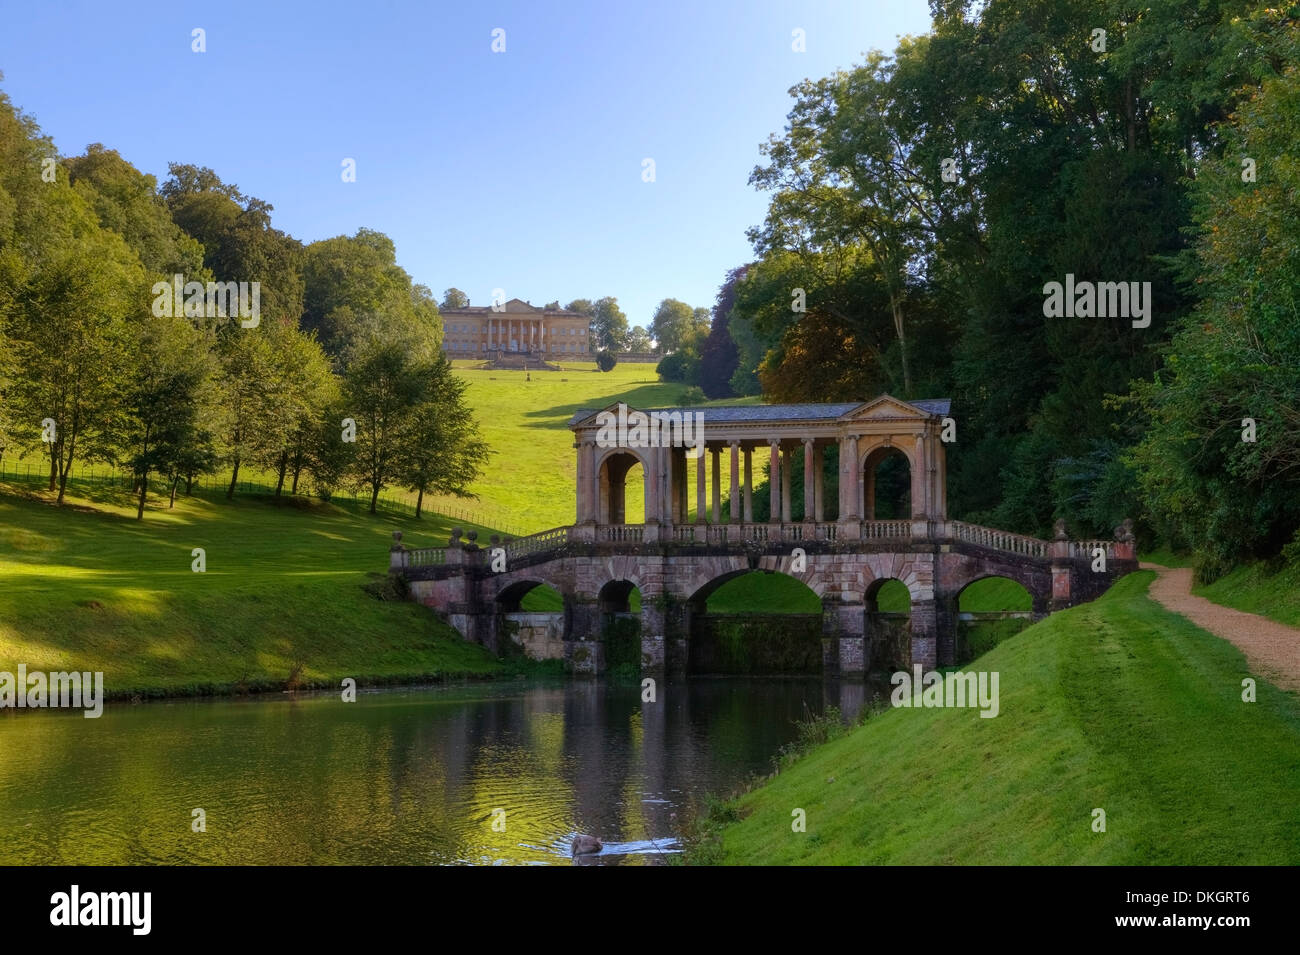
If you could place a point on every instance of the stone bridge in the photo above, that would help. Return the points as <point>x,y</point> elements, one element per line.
<point>676,559</point>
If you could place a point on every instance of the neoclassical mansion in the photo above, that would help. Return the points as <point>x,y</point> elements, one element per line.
<point>518,327</point>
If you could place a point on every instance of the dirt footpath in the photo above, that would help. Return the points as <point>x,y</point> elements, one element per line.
<point>1271,648</point>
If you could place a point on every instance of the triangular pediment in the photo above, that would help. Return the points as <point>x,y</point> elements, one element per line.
<point>591,418</point>
<point>886,407</point>
<point>519,305</point>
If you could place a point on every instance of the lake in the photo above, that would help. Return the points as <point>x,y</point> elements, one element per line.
<point>482,774</point>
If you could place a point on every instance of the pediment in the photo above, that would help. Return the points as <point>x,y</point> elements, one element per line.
<point>886,407</point>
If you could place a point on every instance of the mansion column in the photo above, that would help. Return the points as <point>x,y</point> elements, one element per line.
<point>809,482</point>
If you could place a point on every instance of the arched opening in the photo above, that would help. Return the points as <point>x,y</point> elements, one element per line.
<point>754,621</point>
<point>619,602</point>
<point>886,485</point>
<point>622,489</point>
<point>531,621</point>
<point>888,625</point>
<point>989,610</point>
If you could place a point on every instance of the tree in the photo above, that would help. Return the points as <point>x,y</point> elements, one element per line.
<point>127,202</point>
<point>1219,464</point>
<point>349,279</point>
<point>675,324</point>
<point>638,340</point>
<point>382,390</point>
<point>252,388</point>
<point>442,451</point>
<point>72,347</point>
<point>173,385</point>
<point>609,325</point>
<point>454,298</point>
<point>605,360</point>
<point>719,356</point>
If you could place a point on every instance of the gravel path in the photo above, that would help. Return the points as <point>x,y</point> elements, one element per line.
<point>1272,649</point>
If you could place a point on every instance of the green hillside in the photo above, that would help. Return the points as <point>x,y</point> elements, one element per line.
<point>1116,704</point>
<point>86,586</point>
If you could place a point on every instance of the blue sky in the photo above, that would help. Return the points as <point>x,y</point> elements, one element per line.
<point>519,170</point>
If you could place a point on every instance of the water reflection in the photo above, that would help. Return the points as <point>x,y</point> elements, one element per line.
<point>482,774</point>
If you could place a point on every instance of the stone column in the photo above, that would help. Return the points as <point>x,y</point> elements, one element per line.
<point>774,481</point>
<point>737,508</point>
<point>844,643</point>
<point>819,482</point>
<point>700,468</point>
<point>809,482</point>
<point>920,480</point>
<point>593,484</point>
<point>749,485</point>
<point>717,484</point>
<point>787,467</point>
<point>925,633</point>
<point>849,482</point>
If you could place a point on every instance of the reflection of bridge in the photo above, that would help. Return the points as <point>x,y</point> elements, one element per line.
<point>676,559</point>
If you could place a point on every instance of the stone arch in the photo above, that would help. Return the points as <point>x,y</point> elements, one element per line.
<point>871,460</point>
<point>992,574</point>
<point>960,573</point>
<point>613,465</point>
<point>507,598</point>
<point>614,596</point>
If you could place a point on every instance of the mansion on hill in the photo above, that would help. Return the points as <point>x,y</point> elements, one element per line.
<point>518,327</point>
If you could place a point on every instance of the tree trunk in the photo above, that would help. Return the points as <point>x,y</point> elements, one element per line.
<point>374,496</point>
<point>234,477</point>
<point>897,308</point>
<point>284,464</point>
<point>175,481</point>
<point>54,469</point>
<point>297,469</point>
<point>189,484</point>
<point>144,489</point>
<point>419,500</point>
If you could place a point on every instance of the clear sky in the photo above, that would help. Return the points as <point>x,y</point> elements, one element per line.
<point>519,170</point>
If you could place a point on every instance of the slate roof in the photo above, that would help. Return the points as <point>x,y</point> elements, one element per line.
<point>721,414</point>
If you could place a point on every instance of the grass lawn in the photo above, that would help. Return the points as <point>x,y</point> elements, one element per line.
<point>529,482</point>
<point>1117,704</point>
<point>88,587</point>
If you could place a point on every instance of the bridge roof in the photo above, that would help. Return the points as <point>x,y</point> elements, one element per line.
<point>757,414</point>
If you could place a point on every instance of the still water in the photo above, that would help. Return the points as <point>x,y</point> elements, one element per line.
<point>409,777</point>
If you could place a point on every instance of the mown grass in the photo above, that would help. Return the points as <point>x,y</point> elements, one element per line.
<point>86,586</point>
<point>1117,704</point>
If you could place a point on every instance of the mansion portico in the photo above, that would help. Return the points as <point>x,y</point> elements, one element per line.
<point>518,328</point>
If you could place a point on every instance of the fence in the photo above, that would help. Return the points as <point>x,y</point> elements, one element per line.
<point>29,473</point>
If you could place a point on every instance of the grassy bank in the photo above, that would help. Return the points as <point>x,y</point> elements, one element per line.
<point>86,586</point>
<point>1117,704</point>
<point>1267,590</point>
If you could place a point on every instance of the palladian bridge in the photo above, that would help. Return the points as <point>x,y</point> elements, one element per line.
<point>843,551</point>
